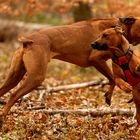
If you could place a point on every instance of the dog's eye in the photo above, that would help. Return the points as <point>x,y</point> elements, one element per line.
<point>104,35</point>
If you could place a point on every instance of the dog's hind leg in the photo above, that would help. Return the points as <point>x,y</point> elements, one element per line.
<point>98,59</point>
<point>15,74</point>
<point>35,61</point>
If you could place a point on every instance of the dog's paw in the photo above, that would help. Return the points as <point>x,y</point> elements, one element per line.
<point>1,119</point>
<point>107,98</point>
<point>126,87</point>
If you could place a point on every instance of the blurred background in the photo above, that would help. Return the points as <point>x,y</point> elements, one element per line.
<point>66,11</point>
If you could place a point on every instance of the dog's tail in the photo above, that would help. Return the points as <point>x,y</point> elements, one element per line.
<point>25,41</point>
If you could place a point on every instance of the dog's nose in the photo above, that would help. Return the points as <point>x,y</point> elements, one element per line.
<point>94,45</point>
<point>99,46</point>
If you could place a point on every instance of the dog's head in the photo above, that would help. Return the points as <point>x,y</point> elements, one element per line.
<point>131,27</point>
<point>110,38</point>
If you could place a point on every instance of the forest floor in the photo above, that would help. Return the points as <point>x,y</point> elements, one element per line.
<point>22,124</point>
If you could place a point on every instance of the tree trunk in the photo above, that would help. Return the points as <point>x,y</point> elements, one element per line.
<point>81,11</point>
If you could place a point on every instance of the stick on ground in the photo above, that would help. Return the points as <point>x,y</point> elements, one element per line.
<point>96,112</point>
<point>74,86</point>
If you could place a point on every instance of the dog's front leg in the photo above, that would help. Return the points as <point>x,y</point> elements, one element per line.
<point>123,85</point>
<point>98,60</point>
<point>118,74</point>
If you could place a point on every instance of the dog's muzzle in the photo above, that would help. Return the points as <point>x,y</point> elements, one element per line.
<point>99,46</point>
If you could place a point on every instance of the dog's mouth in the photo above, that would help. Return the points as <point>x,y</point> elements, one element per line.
<point>99,46</point>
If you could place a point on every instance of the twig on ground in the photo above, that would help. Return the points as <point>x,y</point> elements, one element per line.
<point>96,112</point>
<point>45,90</point>
<point>74,86</point>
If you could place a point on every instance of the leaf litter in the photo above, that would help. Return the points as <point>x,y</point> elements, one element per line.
<point>21,124</point>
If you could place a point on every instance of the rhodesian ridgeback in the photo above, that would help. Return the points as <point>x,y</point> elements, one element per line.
<point>131,28</point>
<point>70,43</point>
<point>126,63</point>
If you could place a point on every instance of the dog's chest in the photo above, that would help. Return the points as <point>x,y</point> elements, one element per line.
<point>130,77</point>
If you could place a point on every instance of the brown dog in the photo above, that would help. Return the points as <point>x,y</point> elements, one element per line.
<point>131,28</point>
<point>70,43</point>
<point>125,62</point>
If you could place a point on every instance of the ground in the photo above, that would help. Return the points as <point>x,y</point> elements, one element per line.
<point>22,124</point>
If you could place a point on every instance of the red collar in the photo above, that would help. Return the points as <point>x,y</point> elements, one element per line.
<point>123,62</point>
<point>124,58</point>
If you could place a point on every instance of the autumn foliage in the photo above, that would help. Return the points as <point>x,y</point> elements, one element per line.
<point>98,8</point>
<point>28,119</point>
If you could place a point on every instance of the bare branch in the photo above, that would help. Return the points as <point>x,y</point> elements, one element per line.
<point>74,86</point>
<point>96,112</point>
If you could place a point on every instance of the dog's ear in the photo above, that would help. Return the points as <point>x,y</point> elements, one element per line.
<point>127,20</point>
<point>118,29</point>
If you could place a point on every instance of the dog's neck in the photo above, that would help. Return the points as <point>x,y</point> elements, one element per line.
<point>122,48</point>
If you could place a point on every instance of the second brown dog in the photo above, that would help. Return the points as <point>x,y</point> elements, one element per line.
<point>125,63</point>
